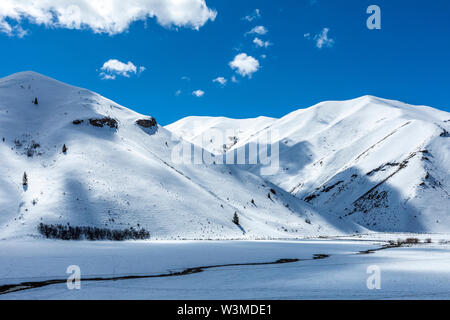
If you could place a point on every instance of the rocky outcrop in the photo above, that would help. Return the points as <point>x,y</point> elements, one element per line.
<point>147,123</point>
<point>110,122</point>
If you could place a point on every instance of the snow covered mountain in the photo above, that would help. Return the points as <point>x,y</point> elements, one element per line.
<point>380,163</point>
<point>363,164</point>
<point>92,162</point>
<point>234,131</point>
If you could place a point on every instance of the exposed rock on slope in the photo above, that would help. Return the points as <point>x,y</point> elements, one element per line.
<point>147,123</point>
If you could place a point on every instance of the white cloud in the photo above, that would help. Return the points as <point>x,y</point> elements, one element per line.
<point>260,43</point>
<point>198,93</point>
<point>185,78</point>
<point>307,35</point>
<point>261,30</point>
<point>255,15</point>
<point>322,39</point>
<point>178,92</point>
<point>244,65</point>
<point>101,16</point>
<point>113,68</point>
<point>106,76</point>
<point>221,80</point>
<point>15,30</point>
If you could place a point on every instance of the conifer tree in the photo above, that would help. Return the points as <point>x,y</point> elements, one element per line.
<point>236,219</point>
<point>25,179</point>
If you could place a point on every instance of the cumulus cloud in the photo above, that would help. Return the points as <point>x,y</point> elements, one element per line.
<point>261,30</point>
<point>198,93</point>
<point>101,16</point>
<point>322,39</point>
<point>221,80</point>
<point>260,43</point>
<point>113,68</point>
<point>253,16</point>
<point>244,65</point>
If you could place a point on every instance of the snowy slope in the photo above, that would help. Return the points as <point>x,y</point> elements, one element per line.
<point>125,177</point>
<point>383,164</point>
<point>221,134</point>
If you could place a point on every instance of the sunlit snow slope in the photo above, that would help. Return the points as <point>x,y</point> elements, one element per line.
<point>381,163</point>
<point>119,174</point>
<point>219,134</point>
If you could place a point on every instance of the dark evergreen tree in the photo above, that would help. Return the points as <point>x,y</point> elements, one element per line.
<point>35,101</point>
<point>67,232</point>
<point>25,179</point>
<point>236,219</point>
<point>64,149</point>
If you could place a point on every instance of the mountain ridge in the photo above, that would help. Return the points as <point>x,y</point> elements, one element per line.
<point>117,174</point>
<point>366,164</point>
<point>336,154</point>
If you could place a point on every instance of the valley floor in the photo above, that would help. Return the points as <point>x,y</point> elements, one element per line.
<point>326,269</point>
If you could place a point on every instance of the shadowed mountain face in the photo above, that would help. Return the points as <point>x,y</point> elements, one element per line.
<point>117,171</point>
<point>380,163</point>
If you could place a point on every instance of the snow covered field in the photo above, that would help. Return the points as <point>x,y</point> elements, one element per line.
<point>414,272</point>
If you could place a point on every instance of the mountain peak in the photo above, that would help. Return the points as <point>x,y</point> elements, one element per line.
<point>27,75</point>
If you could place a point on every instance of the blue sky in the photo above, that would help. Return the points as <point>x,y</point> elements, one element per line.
<point>408,59</point>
